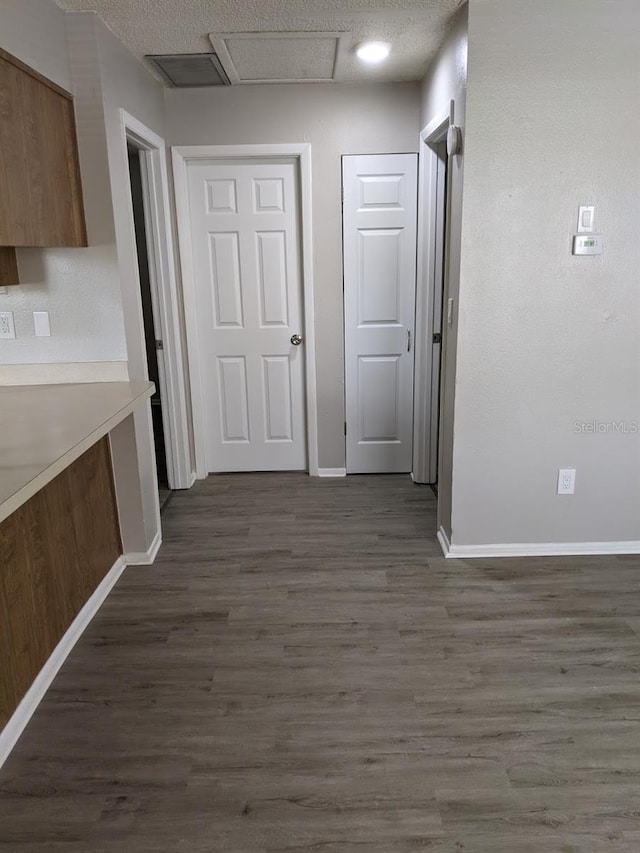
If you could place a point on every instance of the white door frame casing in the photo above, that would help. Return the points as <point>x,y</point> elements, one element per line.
<point>181,156</point>
<point>164,295</point>
<point>425,395</point>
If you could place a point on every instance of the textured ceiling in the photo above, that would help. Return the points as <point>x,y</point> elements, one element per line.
<point>414,29</point>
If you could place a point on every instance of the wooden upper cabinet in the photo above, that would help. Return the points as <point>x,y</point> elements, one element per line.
<point>40,189</point>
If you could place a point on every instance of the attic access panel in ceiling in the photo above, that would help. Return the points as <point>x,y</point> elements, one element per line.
<point>190,69</point>
<point>283,57</point>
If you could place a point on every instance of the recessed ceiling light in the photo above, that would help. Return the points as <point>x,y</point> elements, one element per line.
<point>373,52</point>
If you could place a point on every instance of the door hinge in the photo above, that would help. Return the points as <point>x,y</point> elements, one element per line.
<point>437,338</point>
<point>159,345</point>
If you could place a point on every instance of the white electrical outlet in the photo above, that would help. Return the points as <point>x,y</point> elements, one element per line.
<point>566,481</point>
<point>7,329</point>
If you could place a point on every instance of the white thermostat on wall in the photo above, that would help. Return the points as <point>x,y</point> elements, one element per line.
<point>588,244</point>
<point>454,140</point>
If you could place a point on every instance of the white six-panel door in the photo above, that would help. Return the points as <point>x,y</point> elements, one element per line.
<point>379,233</point>
<point>246,261</point>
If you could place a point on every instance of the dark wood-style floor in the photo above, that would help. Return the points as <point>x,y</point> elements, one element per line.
<point>302,671</point>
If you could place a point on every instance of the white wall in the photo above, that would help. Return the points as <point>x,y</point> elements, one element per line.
<point>336,120</point>
<point>446,81</point>
<point>127,85</point>
<point>92,294</point>
<point>446,78</point>
<point>547,339</point>
<point>35,32</point>
<point>76,286</point>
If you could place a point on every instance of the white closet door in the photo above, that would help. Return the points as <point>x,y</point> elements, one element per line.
<point>379,231</point>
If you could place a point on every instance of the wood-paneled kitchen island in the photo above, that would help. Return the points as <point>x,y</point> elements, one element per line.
<point>60,523</point>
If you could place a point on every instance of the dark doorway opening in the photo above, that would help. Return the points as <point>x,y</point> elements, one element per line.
<point>152,341</point>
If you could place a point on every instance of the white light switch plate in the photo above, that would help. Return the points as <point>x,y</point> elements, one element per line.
<point>586,216</point>
<point>41,324</point>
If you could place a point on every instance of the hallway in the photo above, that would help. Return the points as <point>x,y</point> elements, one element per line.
<point>301,670</point>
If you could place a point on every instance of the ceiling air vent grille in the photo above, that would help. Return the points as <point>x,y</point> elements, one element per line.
<point>190,69</point>
<point>282,57</point>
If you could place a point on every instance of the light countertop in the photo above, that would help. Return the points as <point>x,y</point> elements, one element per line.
<point>44,428</point>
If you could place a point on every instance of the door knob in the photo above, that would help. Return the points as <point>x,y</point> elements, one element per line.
<point>296,340</point>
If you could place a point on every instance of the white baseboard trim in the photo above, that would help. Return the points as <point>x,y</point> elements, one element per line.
<point>32,698</point>
<point>541,549</point>
<point>145,558</point>
<point>418,482</point>
<point>443,539</point>
<point>332,472</point>
<point>190,480</point>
